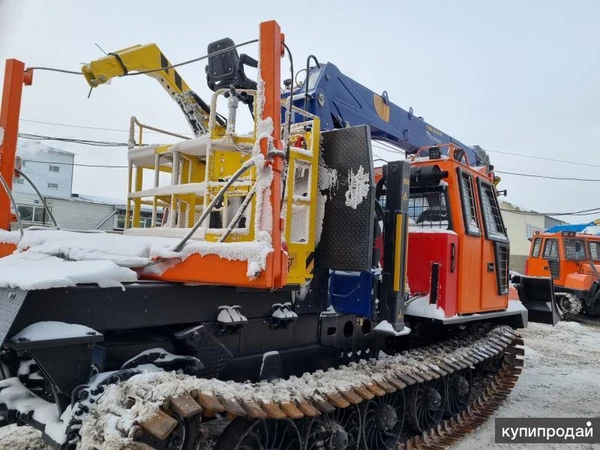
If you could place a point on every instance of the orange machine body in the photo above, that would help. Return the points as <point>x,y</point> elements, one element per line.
<point>460,263</point>
<point>565,257</point>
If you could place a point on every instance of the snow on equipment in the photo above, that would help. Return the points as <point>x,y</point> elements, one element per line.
<point>292,295</point>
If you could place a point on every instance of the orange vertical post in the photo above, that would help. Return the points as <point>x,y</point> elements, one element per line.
<point>14,78</point>
<point>271,51</point>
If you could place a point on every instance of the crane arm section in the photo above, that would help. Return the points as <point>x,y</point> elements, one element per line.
<point>340,101</point>
<point>149,58</point>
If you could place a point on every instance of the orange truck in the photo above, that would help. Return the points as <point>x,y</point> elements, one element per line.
<point>572,260</point>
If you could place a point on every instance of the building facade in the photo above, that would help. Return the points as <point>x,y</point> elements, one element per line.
<point>521,225</point>
<point>51,170</point>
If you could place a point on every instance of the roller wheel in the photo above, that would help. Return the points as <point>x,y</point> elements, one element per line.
<point>243,434</point>
<point>383,419</point>
<point>570,305</point>
<point>339,430</point>
<point>425,404</point>
<point>459,386</point>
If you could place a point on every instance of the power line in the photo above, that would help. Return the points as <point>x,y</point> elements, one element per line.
<point>548,177</point>
<point>564,161</point>
<point>583,212</point>
<point>120,130</point>
<point>56,163</point>
<point>38,137</point>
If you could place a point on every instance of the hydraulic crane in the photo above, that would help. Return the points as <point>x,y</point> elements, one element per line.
<point>267,275</point>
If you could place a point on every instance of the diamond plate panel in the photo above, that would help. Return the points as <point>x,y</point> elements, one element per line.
<point>347,237</point>
<point>11,301</point>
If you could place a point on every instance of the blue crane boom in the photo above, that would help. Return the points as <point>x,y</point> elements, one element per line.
<point>341,101</point>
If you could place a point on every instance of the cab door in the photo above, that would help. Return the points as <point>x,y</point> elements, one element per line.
<point>551,257</point>
<point>494,250</point>
<point>535,262</point>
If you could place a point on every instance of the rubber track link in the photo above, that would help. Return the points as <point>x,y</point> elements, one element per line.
<point>479,411</point>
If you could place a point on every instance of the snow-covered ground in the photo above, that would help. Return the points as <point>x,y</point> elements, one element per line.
<point>560,379</point>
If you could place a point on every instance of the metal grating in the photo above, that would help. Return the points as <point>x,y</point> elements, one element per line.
<point>502,271</point>
<point>428,209</point>
<point>494,225</point>
<point>537,246</point>
<point>595,250</point>
<point>551,249</point>
<point>575,249</point>
<point>11,301</point>
<point>467,193</point>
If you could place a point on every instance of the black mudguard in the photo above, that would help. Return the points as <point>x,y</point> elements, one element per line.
<point>537,295</point>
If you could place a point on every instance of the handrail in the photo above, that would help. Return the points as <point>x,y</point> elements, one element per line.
<point>39,194</point>
<point>14,204</point>
<point>212,204</point>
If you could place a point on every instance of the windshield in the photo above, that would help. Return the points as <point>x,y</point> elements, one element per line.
<point>575,250</point>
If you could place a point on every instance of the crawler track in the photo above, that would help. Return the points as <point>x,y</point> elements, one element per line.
<point>359,406</point>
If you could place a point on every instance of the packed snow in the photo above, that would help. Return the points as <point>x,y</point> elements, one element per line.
<point>1,135</point>
<point>9,237</point>
<point>16,271</point>
<point>64,258</point>
<point>359,186</point>
<point>44,331</point>
<point>559,379</point>
<point>421,307</point>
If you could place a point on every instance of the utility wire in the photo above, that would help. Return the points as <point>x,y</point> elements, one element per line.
<point>55,163</point>
<point>121,130</point>
<point>38,137</point>
<point>564,161</point>
<point>548,177</point>
<point>583,212</point>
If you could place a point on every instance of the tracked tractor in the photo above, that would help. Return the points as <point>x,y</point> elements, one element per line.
<point>292,297</point>
<point>572,261</point>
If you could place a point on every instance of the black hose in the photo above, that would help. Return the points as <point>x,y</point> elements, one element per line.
<point>306,96</point>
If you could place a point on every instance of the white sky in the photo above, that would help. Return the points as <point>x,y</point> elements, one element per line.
<point>511,76</point>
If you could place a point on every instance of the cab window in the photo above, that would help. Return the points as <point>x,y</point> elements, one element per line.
<point>428,208</point>
<point>536,247</point>
<point>492,218</point>
<point>595,250</point>
<point>575,249</point>
<point>467,193</point>
<point>551,249</point>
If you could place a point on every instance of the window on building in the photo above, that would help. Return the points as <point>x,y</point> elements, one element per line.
<point>536,247</point>
<point>492,219</point>
<point>551,249</point>
<point>32,214</point>
<point>52,186</point>
<point>530,229</point>
<point>145,220</point>
<point>54,168</point>
<point>575,249</point>
<point>18,181</point>
<point>595,250</point>
<point>467,192</point>
<point>23,163</point>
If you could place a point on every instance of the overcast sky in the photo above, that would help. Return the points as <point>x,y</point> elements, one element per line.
<point>512,76</point>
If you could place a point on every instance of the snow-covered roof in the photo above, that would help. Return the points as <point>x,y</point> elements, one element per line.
<point>35,149</point>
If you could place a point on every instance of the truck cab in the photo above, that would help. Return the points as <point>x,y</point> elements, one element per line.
<point>572,260</point>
